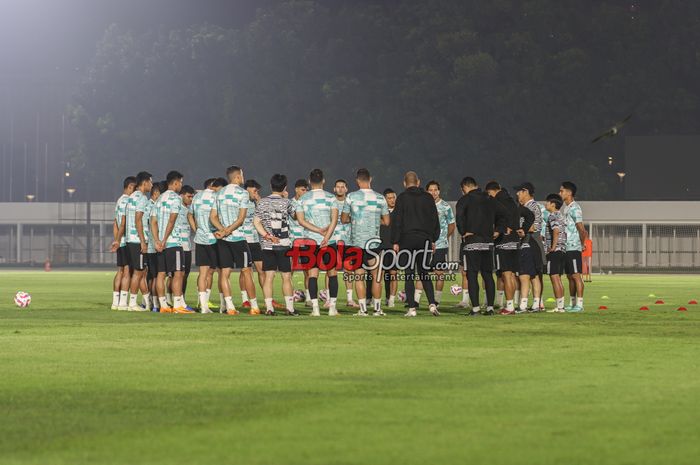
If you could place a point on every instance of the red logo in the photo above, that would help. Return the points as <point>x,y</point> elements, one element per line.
<point>306,254</point>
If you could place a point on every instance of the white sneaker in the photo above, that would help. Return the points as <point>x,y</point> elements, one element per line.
<point>307,303</point>
<point>136,308</point>
<point>205,310</point>
<point>315,313</point>
<point>123,309</point>
<point>361,313</point>
<point>114,307</point>
<point>332,312</point>
<point>411,313</point>
<point>433,310</point>
<point>463,304</point>
<point>379,313</point>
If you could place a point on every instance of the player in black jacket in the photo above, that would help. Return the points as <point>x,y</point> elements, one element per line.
<point>479,221</point>
<point>415,226</point>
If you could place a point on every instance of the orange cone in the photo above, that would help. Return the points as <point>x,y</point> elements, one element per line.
<point>659,302</point>
<point>644,308</point>
<point>682,309</point>
<point>602,307</point>
<point>693,302</point>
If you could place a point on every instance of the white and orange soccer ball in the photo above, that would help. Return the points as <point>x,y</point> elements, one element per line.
<point>23,299</point>
<point>402,296</point>
<point>455,289</point>
<point>299,295</point>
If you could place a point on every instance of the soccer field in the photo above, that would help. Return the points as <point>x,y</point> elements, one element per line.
<point>85,385</point>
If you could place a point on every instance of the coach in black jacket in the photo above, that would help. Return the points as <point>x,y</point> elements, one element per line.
<point>479,219</point>
<point>415,226</point>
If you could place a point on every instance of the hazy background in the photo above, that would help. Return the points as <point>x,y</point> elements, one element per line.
<point>511,90</point>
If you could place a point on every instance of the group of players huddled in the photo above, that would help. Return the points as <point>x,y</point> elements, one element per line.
<point>362,234</point>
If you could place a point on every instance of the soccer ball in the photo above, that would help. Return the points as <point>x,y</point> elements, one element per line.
<point>455,289</point>
<point>323,295</point>
<point>22,299</point>
<point>299,295</point>
<point>402,296</point>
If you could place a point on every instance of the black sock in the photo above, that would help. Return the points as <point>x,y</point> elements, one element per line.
<point>313,288</point>
<point>473,285</point>
<point>333,286</point>
<point>489,287</point>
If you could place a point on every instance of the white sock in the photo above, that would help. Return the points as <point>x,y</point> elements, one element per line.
<point>516,296</point>
<point>208,292</point>
<point>560,303</point>
<point>115,298</point>
<point>363,304</point>
<point>169,298</point>
<point>392,299</point>
<point>146,300</point>
<point>156,303</point>
<point>377,304</point>
<point>535,302</point>
<point>333,301</point>
<point>572,299</point>
<point>244,296</point>
<point>307,294</point>
<point>203,301</point>
<point>178,302</point>
<point>123,298</point>
<point>132,300</point>
<point>500,295</point>
<point>416,295</point>
<point>438,296</point>
<point>163,302</point>
<point>253,303</point>
<point>228,302</point>
<point>314,305</point>
<point>268,305</point>
<point>348,295</point>
<point>579,302</point>
<point>523,303</point>
<point>222,300</point>
<point>289,302</point>
<point>465,295</point>
<point>509,305</point>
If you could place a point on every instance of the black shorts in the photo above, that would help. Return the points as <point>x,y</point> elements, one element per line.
<point>234,254</point>
<point>440,256</point>
<point>463,256</point>
<point>572,262</point>
<point>326,256</point>
<point>136,259</point>
<point>255,251</point>
<point>507,260</point>
<point>188,261</point>
<point>171,260</point>
<point>526,260</point>
<point>555,263</point>
<point>152,263</point>
<point>207,255</point>
<point>122,257</point>
<point>366,256</point>
<point>479,260</point>
<point>276,260</point>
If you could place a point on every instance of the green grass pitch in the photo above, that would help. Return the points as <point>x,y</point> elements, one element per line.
<point>81,384</point>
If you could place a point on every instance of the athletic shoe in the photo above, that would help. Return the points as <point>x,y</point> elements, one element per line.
<point>533,310</point>
<point>307,303</point>
<point>212,305</point>
<point>353,304</point>
<point>270,312</point>
<point>379,313</point>
<point>489,312</point>
<point>462,304</point>
<point>506,312</point>
<point>361,313</point>
<point>411,313</point>
<point>232,311</point>
<point>332,312</point>
<point>205,310</point>
<point>277,305</point>
<point>574,309</point>
<point>166,310</point>
<point>254,311</point>
<point>123,309</point>
<point>292,313</point>
<point>474,313</point>
<point>137,308</point>
<point>190,308</point>
<point>114,307</point>
<point>315,313</point>
<point>182,310</point>
<point>155,309</point>
<point>520,310</point>
<point>433,310</point>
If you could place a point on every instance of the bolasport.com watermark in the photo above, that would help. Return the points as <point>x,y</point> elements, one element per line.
<point>306,254</point>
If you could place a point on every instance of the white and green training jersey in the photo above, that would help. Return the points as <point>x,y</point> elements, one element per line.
<point>343,230</point>
<point>119,213</point>
<point>147,227</point>
<point>317,206</point>
<point>545,216</point>
<point>572,214</point>
<point>446,217</point>
<point>184,227</point>
<point>295,229</point>
<point>366,208</point>
<point>248,228</point>
<point>167,204</point>
<point>201,209</point>
<point>138,202</point>
<point>230,200</point>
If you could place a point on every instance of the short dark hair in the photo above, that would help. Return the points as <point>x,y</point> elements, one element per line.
<point>316,176</point>
<point>363,175</point>
<point>388,191</point>
<point>278,182</point>
<point>187,189</point>
<point>156,187</point>
<point>431,183</point>
<point>301,183</point>
<point>492,186</point>
<point>251,183</point>
<point>209,183</point>
<point>233,169</point>
<point>556,200</point>
<point>569,186</point>
<point>143,176</point>
<point>129,180</point>
<point>173,176</point>
<point>468,181</point>
<point>341,180</point>
<point>220,182</point>
<point>162,186</point>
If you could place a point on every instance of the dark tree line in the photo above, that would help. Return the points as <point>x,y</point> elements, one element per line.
<point>502,89</point>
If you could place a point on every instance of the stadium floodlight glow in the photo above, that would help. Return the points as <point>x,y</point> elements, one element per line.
<point>71,191</point>
<point>30,197</point>
<point>621,175</point>
<point>610,161</point>
<point>67,174</point>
